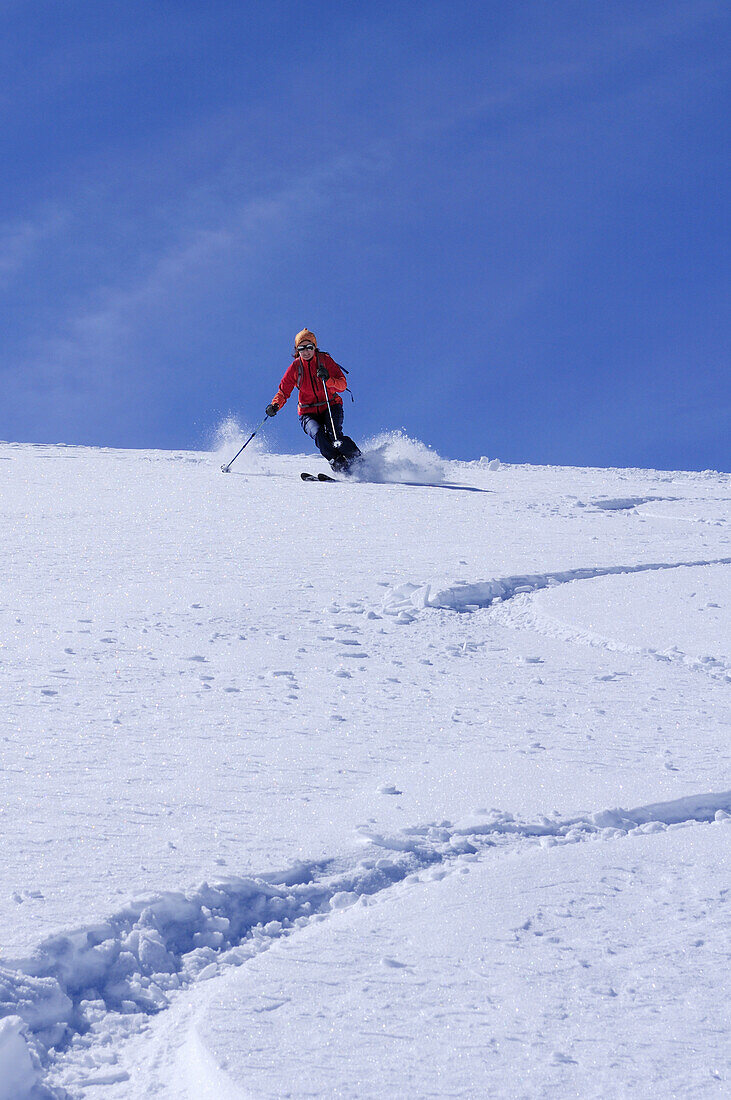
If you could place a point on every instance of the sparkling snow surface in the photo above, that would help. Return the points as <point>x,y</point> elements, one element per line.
<point>415,785</point>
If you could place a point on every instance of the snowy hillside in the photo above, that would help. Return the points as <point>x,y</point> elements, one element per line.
<point>410,786</point>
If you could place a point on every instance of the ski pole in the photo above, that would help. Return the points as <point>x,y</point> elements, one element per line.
<point>227,466</point>
<point>336,442</point>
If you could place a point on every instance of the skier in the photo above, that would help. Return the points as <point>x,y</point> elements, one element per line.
<point>320,382</point>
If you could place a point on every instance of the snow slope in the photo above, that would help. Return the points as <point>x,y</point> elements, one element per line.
<point>316,789</point>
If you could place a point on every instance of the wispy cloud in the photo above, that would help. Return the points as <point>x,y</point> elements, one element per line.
<point>102,341</point>
<point>22,241</point>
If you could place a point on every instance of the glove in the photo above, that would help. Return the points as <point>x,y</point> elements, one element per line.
<point>322,372</point>
<point>272,410</point>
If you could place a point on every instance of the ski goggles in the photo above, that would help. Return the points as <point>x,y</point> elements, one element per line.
<point>306,347</point>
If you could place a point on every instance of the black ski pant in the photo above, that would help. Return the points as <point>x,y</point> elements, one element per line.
<point>317,426</point>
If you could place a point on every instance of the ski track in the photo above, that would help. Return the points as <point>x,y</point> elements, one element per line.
<point>405,601</point>
<point>78,986</point>
<point>623,504</point>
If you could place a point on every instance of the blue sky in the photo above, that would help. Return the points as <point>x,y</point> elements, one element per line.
<point>509,221</point>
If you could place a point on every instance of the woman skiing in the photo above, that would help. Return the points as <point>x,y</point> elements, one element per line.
<point>320,382</point>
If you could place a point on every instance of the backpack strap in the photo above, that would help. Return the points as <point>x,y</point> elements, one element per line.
<point>347,388</point>
<point>317,353</point>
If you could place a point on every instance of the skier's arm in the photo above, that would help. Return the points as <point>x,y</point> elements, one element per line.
<point>337,382</point>
<point>285,387</point>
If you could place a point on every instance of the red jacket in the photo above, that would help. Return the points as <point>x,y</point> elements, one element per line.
<point>303,375</point>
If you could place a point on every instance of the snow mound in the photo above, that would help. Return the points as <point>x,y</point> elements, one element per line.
<point>624,504</point>
<point>39,1003</point>
<point>700,807</point>
<point>394,456</point>
<point>19,1068</point>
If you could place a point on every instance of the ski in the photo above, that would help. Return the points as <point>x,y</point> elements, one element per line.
<point>318,477</point>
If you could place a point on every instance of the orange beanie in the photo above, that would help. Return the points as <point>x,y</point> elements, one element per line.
<point>305,337</point>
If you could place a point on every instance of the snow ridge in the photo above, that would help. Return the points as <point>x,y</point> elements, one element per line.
<point>133,962</point>
<point>409,597</point>
<point>622,504</point>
